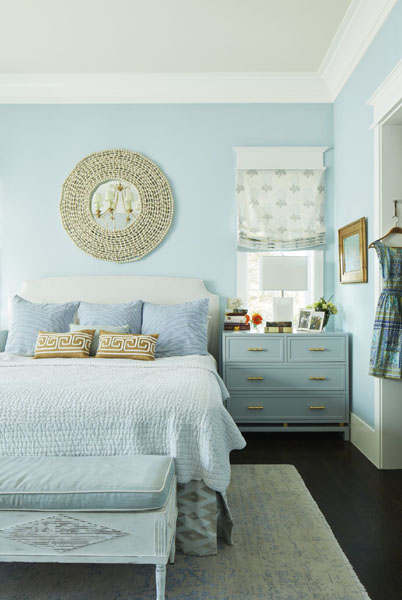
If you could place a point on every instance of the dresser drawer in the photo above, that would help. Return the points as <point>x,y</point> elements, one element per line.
<point>258,378</point>
<point>288,409</point>
<point>319,348</point>
<point>256,348</point>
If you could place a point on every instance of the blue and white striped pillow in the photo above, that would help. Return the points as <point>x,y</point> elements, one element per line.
<point>112,314</point>
<point>182,328</point>
<point>27,318</point>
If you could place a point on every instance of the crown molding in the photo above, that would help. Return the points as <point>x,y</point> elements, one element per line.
<point>149,88</point>
<point>387,97</point>
<point>360,25</point>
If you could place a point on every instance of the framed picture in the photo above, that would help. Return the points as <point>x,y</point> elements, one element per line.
<point>316,321</point>
<point>353,252</point>
<point>303,322</point>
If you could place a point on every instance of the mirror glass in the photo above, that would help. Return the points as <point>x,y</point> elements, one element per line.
<point>115,204</point>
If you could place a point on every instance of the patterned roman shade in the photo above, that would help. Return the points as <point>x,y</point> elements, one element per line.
<point>280,209</point>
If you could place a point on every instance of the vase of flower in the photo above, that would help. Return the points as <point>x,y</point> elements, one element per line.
<point>325,306</point>
<point>256,320</point>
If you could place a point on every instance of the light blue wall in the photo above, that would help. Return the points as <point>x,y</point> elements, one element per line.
<point>354,194</point>
<point>40,144</point>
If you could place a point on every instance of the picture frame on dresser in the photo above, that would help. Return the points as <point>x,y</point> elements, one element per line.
<point>287,382</point>
<point>316,321</point>
<point>303,319</point>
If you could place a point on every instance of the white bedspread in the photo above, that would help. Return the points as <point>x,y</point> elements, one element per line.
<point>171,406</point>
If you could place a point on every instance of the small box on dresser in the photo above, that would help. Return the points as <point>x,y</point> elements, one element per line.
<point>287,382</point>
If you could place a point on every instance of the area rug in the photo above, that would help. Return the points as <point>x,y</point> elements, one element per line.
<point>284,550</point>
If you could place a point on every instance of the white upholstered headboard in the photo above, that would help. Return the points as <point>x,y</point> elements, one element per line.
<point>125,288</point>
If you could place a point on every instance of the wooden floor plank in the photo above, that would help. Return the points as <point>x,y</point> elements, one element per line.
<point>362,504</point>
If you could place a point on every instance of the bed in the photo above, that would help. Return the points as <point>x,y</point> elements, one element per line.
<point>172,406</point>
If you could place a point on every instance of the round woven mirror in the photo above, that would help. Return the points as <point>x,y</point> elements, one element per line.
<point>116,205</point>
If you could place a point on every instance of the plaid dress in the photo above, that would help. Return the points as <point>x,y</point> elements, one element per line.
<point>386,347</point>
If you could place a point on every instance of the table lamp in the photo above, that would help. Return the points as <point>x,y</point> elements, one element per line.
<point>283,273</point>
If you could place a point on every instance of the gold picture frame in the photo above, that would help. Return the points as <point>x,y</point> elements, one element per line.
<point>353,252</point>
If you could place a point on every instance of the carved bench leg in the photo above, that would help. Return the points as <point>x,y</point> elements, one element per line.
<point>160,575</point>
<point>172,550</point>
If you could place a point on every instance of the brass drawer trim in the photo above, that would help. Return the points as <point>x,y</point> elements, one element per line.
<point>317,378</point>
<point>317,407</point>
<point>255,407</point>
<point>255,349</point>
<point>316,349</point>
<point>255,378</point>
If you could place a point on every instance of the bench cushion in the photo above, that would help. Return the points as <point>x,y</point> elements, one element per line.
<point>85,483</point>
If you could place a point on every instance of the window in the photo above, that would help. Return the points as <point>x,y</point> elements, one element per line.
<point>248,284</point>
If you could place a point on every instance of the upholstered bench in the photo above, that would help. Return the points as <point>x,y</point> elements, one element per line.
<point>100,509</point>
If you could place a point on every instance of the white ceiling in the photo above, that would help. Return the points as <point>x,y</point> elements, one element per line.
<point>183,51</point>
<point>111,36</point>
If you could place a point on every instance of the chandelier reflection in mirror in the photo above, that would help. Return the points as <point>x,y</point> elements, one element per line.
<point>115,204</point>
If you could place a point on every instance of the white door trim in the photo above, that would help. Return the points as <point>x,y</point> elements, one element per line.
<point>388,96</point>
<point>365,438</point>
<point>385,101</point>
<point>376,455</point>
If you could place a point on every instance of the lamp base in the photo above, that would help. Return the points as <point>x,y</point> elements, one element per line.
<point>283,309</point>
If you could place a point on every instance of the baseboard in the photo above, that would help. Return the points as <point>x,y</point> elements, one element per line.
<point>365,438</point>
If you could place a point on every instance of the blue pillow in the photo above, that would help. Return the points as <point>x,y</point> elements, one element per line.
<point>112,314</point>
<point>29,317</point>
<point>182,328</point>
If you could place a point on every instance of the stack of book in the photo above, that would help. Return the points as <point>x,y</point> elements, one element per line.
<point>278,327</point>
<point>236,320</point>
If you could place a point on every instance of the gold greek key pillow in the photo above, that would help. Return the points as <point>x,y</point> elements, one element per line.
<point>126,345</point>
<point>73,344</point>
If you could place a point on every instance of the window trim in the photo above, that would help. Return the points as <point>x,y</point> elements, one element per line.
<point>315,276</point>
<point>280,157</point>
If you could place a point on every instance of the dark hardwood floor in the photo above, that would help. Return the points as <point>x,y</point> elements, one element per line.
<point>362,504</point>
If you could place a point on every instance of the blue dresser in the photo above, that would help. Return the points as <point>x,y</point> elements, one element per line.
<point>287,382</point>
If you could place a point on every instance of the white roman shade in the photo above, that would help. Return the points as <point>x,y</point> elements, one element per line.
<point>280,208</point>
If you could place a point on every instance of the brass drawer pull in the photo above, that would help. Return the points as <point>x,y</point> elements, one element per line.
<point>316,407</point>
<point>316,349</point>
<point>317,378</point>
<point>255,407</point>
<point>255,349</point>
<point>255,378</point>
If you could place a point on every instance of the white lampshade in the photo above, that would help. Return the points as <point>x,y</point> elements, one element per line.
<point>283,273</point>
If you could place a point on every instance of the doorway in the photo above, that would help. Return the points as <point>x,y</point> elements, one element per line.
<point>391,191</point>
<point>387,111</point>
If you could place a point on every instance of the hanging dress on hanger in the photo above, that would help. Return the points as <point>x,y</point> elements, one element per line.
<point>386,347</point>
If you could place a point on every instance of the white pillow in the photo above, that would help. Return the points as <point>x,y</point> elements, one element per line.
<point>95,341</point>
